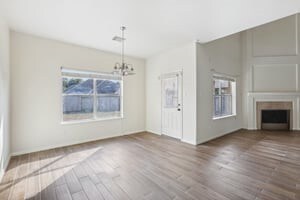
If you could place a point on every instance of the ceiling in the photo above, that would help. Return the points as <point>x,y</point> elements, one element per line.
<point>153,25</point>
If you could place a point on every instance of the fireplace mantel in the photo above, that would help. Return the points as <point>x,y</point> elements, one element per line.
<point>254,97</point>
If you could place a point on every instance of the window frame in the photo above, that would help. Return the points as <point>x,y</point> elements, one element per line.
<point>94,95</point>
<point>233,95</point>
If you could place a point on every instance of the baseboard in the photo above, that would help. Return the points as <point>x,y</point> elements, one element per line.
<point>189,142</point>
<point>134,132</point>
<point>71,143</point>
<point>154,132</point>
<point>182,140</point>
<point>220,135</point>
<point>4,167</point>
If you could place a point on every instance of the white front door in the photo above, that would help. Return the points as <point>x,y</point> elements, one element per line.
<point>172,104</point>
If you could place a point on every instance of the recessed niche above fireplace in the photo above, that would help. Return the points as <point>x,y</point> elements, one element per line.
<point>274,115</point>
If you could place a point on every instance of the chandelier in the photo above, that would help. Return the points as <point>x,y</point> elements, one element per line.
<point>123,69</point>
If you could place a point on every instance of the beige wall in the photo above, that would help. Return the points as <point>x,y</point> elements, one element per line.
<point>36,94</point>
<point>183,59</point>
<point>271,60</point>
<point>222,56</point>
<point>4,97</point>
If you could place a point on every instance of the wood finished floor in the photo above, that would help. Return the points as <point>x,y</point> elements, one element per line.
<point>242,165</point>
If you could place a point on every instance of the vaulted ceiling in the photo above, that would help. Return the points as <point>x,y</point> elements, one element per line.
<point>153,25</point>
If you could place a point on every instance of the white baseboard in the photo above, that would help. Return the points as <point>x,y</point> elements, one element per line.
<point>217,136</point>
<point>2,171</point>
<point>71,143</point>
<point>182,140</point>
<point>154,132</point>
<point>133,132</point>
<point>188,142</point>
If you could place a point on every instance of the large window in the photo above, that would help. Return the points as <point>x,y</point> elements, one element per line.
<point>224,96</point>
<point>90,96</point>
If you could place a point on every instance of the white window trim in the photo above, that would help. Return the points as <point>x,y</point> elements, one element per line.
<point>233,95</point>
<point>82,121</point>
<point>95,95</point>
<point>224,116</point>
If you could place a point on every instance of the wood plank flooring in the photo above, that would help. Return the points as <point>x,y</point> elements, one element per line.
<point>242,165</point>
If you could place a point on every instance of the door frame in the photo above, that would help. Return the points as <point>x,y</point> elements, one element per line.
<point>161,77</point>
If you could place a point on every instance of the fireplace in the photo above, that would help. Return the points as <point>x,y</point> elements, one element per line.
<point>275,119</point>
<point>274,115</point>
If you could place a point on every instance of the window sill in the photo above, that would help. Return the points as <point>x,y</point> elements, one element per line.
<point>223,117</point>
<point>90,120</point>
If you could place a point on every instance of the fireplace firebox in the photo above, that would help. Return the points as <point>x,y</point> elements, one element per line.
<point>275,119</point>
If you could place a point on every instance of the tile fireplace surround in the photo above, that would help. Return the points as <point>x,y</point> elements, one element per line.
<point>273,105</point>
<point>257,101</point>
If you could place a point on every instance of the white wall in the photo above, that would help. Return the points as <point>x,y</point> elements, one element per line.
<point>257,57</point>
<point>220,56</point>
<point>271,66</point>
<point>36,94</point>
<point>4,97</point>
<point>196,61</point>
<point>179,59</point>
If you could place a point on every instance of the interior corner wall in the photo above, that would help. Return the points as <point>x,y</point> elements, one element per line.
<point>221,56</point>
<point>4,97</point>
<point>182,58</point>
<point>36,98</point>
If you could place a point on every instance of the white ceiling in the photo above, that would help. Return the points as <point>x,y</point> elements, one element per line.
<point>153,25</point>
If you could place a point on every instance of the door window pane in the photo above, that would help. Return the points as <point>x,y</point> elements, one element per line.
<point>170,92</point>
